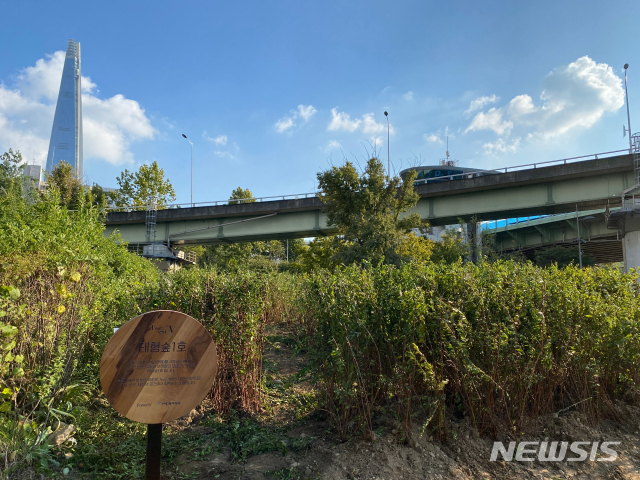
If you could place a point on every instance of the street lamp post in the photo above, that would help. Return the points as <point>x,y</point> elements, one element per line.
<point>191,167</point>
<point>626,65</point>
<point>388,147</point>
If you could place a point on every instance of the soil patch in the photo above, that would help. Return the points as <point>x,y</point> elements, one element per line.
<point>306,448</point>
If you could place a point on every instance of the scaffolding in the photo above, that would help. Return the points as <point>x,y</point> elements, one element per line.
<point>150,221</point>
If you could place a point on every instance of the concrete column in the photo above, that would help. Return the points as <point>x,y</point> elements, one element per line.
<point>628,221</point>
<point>631,250</point>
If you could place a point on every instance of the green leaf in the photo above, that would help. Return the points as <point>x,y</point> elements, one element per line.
<point>12,292</point>
<point>8,331</point>
<point>75,276</point>
<point>61,308</point>
<point>5,407</point>
<point>19,359</point>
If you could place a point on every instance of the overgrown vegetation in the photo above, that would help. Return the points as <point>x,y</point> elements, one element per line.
<point>72,194</point>
<point>498,343</point>
<point>404,323</point>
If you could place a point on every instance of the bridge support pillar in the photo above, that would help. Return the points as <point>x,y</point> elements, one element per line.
<point>628,223</point>
<point>631,250</point>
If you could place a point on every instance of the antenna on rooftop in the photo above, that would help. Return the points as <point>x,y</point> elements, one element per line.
<point>447,152</point>
<point>447,162</point>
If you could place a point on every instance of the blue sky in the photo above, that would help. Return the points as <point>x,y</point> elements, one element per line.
<point>272,92</point>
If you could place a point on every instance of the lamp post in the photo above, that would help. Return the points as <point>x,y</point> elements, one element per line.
<point>388,147</point>
<point>191,167</point>
<point>626,65</point>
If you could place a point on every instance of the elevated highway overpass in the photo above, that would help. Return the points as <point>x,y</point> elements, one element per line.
<point>538,189</point>
<point>599,240</point>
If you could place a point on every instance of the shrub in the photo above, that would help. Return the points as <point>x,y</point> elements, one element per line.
<point>234,307</point>
<point>500,343</point>
<point>64,287</point>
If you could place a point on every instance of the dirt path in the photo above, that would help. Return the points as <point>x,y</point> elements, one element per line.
<point>293,440</point>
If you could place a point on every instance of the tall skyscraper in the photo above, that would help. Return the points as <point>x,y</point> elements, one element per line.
<point>66,134</point>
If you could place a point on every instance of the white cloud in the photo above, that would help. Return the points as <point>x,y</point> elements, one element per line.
<point>332,145</point>
<point>500,146</point>
<point>287,123</point>
<point>284,124</point>
<point>306,112</point>
<point>433,138</point>
<point>220,154</point>
<point>520,106</point>
<point>479,103</point>
<point>438,138</point>
<point>219,140</point>
<point>574,96</point>
<point>376,141</point>
<point>577,95</point>
<point>492,120</point>
<point>27,110</point>
<point>342,121</point>
<point>408,95</point>
<point>369,125</point>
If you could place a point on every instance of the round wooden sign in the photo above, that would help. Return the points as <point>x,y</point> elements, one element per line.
<point>158,366</point>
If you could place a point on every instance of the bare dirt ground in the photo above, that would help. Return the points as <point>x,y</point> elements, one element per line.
<point>315,452</point>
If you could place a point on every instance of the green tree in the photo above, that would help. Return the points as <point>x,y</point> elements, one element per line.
<point>451,249</point>
<point>367,211</point>
<point>243,194</point>
<point>10,168</point>
<point>71,193</point>
<point>320,253</point>
<point>416,248</point>
<point>97,196</point>
<point>135,188</point>
<point>64,180</point>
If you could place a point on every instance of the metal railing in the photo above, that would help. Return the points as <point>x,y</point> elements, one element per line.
<point>297,196</point>
<point>188,256</point>
<point>139,249</point>
<point>494,171</point>
<point>215,203</point>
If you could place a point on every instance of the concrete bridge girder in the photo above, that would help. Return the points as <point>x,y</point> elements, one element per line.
<point>557,189</point>
<point>602,242</point>
<point>209,231</point>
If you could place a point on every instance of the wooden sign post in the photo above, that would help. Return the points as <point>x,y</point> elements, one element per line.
<point>156,368</point>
